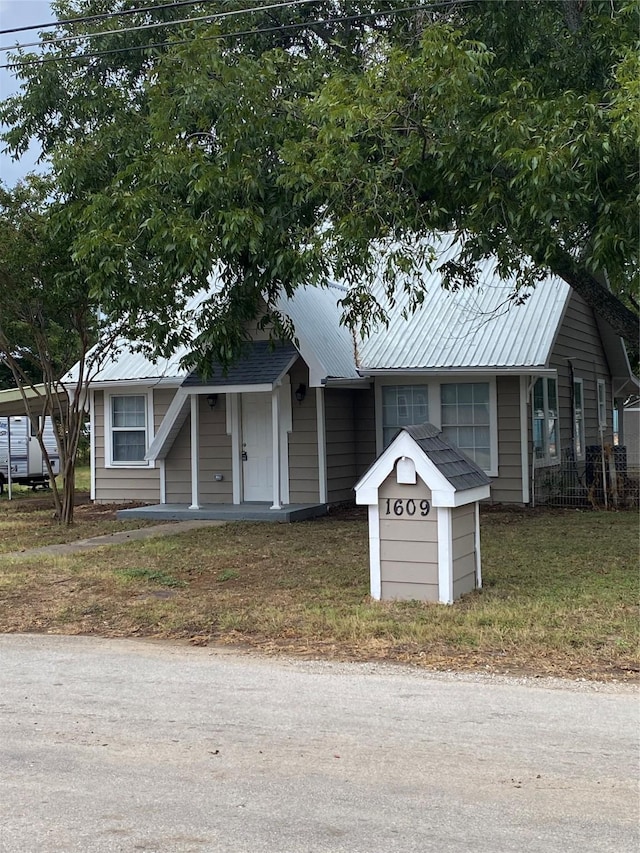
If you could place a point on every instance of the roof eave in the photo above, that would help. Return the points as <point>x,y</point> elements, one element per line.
<point>517,370</point>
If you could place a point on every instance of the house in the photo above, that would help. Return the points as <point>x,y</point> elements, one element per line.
<point>518,387</point>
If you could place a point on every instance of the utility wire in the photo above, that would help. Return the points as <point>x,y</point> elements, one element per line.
<point>216,16</point>
<point>231,35</point>
<point>103,15</point>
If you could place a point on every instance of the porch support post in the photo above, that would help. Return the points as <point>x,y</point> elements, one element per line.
<point>322,447</point>
<point>233,429</point>
<point>195,453</point>
<point>477,544</point>
<point>619,406</point>
<point>275,433</point>
<point>375,573</point>
<point>163,481</point>
<point>92,442</point>
<point>524,438</point>
<point>445,556</point>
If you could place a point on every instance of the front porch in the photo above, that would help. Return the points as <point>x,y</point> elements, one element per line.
<point>225,512</point>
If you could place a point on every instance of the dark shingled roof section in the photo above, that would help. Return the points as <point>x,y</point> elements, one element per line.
<point>461,471</point>
<point>262,364</point>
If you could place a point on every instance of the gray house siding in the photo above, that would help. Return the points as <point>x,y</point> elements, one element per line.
<point>214,458</point>
<point>364,402</point>
<point>115,485</point>
<point>340,433</point>
<point>303,441</point>
<point>215,453</point>
<point>507,486</point>
<point>579,341</point>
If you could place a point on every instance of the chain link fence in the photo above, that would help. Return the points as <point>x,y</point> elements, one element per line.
<point>602,480</point>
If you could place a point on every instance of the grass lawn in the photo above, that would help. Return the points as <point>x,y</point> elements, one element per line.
<point>27,520</point>
<point>560,595</point>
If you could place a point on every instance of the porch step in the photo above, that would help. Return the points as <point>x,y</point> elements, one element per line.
<point>225,512</point>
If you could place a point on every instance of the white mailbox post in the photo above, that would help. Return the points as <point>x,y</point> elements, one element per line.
<point>424,528</point>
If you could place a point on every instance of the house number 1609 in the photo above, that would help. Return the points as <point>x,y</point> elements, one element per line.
<point>400,506</point>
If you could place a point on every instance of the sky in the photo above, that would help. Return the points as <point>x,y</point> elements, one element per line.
<point>18,13</point>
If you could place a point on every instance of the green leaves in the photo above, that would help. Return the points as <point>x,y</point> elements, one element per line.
<point>287,157</point>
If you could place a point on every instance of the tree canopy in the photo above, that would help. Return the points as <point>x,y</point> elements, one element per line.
<point>285,145</point>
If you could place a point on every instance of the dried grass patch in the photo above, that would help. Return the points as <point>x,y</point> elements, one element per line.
<point>560,596</point>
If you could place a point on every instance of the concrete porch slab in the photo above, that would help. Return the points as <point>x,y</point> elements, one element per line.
<point>225,512</point>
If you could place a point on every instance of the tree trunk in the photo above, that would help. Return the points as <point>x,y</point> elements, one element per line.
<point>68,498</point>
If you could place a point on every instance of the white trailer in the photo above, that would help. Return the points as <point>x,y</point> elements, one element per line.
<point>21,459</point>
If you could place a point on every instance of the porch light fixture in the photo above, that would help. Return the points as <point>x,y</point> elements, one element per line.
<point>212,400</point>
<point>301,392</point>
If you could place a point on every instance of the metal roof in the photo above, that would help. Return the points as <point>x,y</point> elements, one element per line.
<point>461,471</point>
<point>472,328</point>
<point>315,313</point>
<point>12,403</point>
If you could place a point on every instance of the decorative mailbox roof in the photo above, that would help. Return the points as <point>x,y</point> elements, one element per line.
<point>461,471</point>
<point>454,478</point>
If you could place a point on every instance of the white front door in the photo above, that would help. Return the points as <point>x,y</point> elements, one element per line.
<point>257,447</point>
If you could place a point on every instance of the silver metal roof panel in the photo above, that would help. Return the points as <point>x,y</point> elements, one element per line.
<point>472,328</point>
<point>316,314</point>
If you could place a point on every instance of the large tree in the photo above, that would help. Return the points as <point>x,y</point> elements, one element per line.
<point>290,144</point>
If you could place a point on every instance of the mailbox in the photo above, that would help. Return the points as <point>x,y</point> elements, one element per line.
<point>423,496</point>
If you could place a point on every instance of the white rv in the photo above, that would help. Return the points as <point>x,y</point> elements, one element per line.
<point>19,449</point>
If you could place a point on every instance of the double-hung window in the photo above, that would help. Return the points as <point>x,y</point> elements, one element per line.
<point>545,420</point>
<point>578,417</point>
<point>465,412</point>
<point>403,405</point>
<point>128,413</point>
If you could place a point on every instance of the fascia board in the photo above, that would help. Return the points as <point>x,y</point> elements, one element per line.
<point>479,372</point>
<point>317,370</point>
<point>563,314</point>
<point>229,389</point>
<point>468,496</point>
<point>147,382</point>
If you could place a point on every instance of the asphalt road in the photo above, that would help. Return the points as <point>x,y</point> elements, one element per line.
<point>115,745</point>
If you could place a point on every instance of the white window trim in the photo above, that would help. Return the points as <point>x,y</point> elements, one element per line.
<point>579,381</point>
<point>108,431</point>
<point>547,460</point>
<point>602,404</point>
<point>434,404</point>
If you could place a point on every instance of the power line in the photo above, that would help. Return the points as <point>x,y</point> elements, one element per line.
<point>216,16</point>
<point>103,15</point>
<point>237,34</point>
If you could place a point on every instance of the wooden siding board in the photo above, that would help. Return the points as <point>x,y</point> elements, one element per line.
<point>408,571</point>
<point>414,552</point>
<point>398,591</point>
<point>410,530</point>
<point>464,585</point>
